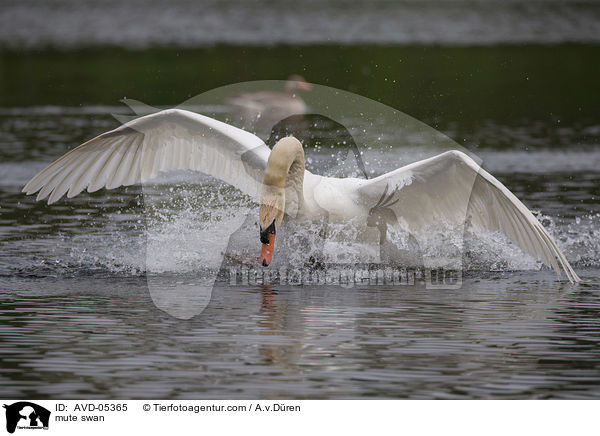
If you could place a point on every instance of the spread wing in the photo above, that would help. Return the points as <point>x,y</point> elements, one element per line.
<point>453,187</point>
<point>138,150</point>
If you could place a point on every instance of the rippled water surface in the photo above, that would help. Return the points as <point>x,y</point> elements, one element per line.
<point>77,319</point>
<point>505,335</point>
<point>72,24</point>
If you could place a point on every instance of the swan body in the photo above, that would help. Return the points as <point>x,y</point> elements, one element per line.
<point>449,187</point>
<point>274,105</point>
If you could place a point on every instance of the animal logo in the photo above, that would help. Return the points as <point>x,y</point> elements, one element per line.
<point>25,414</point>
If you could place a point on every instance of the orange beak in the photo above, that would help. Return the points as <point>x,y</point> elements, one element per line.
<point>266,253</point>
<point>304,86</point>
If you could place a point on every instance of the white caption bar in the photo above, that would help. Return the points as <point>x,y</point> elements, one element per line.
<point>158,417</point>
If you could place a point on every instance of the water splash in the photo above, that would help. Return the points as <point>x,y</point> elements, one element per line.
<point>189,238</point>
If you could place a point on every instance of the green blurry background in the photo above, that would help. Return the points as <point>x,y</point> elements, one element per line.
<point>440,85</point>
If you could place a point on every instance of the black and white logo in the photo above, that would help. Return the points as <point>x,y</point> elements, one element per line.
<point>26,415</point>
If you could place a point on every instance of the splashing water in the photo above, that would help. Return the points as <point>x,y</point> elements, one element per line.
<point>186,235</point>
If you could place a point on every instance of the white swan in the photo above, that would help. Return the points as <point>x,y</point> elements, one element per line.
<point>274,105</point>
<point>438,188</point>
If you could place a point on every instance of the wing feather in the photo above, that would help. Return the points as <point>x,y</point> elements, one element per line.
<point>125,165</point>
<point>137,151</point>
<point>453,186</point>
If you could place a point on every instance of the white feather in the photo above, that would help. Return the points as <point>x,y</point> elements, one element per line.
<point>453,187</point>
<point>138,150</point>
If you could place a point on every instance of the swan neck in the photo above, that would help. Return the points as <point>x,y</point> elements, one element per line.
<point>285,166</point>
<point>282,190</point>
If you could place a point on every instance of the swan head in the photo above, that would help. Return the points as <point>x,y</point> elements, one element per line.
<point>297,83</point>
<point>284,173</point>
<point>270,216</point>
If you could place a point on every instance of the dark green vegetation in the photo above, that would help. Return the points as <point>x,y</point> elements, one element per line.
<point>437,84</point>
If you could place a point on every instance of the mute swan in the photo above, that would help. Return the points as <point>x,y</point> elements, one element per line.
<point>425,192</point>
<point>273,105</point>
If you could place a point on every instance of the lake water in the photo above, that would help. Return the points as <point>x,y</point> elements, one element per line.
<point>77,319</point>
<point>189,23</point>
<point>515,83</point>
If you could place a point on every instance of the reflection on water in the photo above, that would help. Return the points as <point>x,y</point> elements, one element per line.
<point>514,336</point>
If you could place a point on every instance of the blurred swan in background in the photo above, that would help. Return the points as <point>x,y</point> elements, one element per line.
<point>447,188</point>
<point>274,105</point>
